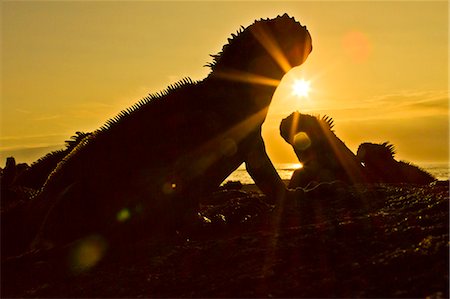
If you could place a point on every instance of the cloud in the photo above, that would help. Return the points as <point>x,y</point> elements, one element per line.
<point>23,111</point>
<point>399,105</point>
<point>27,154</point>
<point>412,99</point>
<point>47,117</point>
<point>12,143</point>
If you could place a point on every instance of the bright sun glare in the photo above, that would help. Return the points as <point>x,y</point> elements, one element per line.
<point>301,88</point>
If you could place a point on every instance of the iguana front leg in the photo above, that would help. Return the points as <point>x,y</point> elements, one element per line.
<point>262,171</point>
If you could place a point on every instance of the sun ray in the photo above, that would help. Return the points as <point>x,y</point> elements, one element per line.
<point>272,47</point>
<point>235,75</point>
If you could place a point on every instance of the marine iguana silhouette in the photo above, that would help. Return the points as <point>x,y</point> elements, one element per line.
<point>325,158</point>
<point>19,183</point>
<point>35,176</point>
<point>158,157</point>
<point>381,166</point>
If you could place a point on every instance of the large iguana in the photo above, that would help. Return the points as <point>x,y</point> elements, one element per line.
<point>155,159</point>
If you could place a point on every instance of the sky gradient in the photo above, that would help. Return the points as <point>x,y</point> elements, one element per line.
<point>380,69</point>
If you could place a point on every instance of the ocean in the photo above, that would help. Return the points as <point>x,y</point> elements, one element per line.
<point>438,170</point>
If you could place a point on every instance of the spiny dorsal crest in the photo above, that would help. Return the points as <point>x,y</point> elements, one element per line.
<point>48,157</point>
<point>70,144</point>
<point>244,37</point>
<point>297,122</point>
<point>389,147</point>
<point>76,139</point>
<point>147,100</point>
<point>327,120</point>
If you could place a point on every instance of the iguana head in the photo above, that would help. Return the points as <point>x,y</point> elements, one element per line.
<point>307,133</point>
<point>267,48</point>
<point>297,122</point>
<point>373,153</point>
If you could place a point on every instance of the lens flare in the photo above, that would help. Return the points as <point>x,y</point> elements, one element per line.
<point>302,141</point>
<point>123,215</point>
<point>169,188</point>
<point>357,46</point>
<point>87,253</point>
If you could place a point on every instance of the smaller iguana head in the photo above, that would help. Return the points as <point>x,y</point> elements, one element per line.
<point>307,133</point>
<point>373,153</point>
<point>268,48</point>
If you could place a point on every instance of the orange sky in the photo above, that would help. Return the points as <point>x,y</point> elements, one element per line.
<point>380,69</point>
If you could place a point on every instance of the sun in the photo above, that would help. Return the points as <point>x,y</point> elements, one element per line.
<point>301,88</point>
<point>297,165</point>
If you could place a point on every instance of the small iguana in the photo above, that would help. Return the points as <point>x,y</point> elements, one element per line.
<point>155,160</point>
<point>325,158</point>
<point>381,166</point>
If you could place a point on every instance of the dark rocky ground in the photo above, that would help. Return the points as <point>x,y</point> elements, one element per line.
<point>368,241</point>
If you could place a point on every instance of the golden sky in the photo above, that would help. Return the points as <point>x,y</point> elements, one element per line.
<point>380,69</point>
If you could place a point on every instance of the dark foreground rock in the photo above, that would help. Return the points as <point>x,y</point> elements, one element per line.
<point>377,241</point>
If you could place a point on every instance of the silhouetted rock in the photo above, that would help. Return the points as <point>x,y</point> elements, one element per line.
<point>380,165</point>
<point>11,193</point>
<point>147,167</point>
<point>9,173</point>
<point>363,241</point>
<point>325,158</point>
<point>232,185</point>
